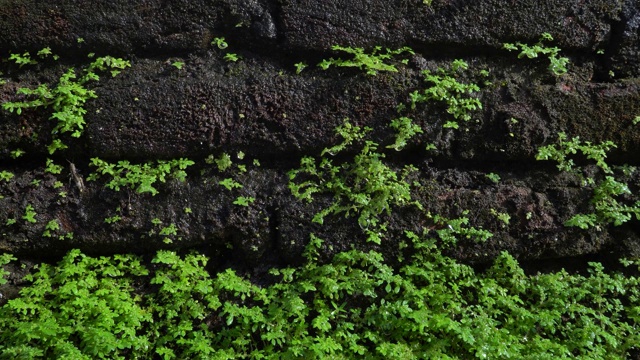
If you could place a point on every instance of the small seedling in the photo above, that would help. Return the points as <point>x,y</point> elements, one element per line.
<point>6,175</point>
<point>557,65</point>
<point>405,130</point>
<point>52,168</point>
<point>230,184</point>
<point>495,178</point>
<point>140,177</point>
<point>244,200</point>
<point>223,162</point>
<point>300,66</point>
<point>177,64</point>
<point>17,153</point>
<point>29,214</point>
<point>220,43</point>
<point>113,219</point>
<point>231,57</point>
<point>51,227</point>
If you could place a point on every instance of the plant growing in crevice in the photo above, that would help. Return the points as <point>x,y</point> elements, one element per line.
<point>606,191</point>
<point>67,98</point>
<point>115,218</point>
<point>6,175</point>
<point>221,44</point>
<point>371,63</point>
<point>493,177</point>
<point>446,88</point>
<point>4,260</point>
<point>365,188</point>
<point>140,177</point>
<point>300,66</point>
<point>30,214</point>
<point>405,130</point>
<point>52,168</point>
<point>557,65</point>
<point>168,232</point>
<point>17,153</point>
<point>224,163</point>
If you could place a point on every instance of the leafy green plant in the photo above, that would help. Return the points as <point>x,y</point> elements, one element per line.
<point>6,175</point>
<point>459,228</point>
<point>168,231</point>
<point>231,57</point>
<point>22,59</point>
<point>446,88</point>
<point>230,184</point>
<point>223,162</point>
<point>52,168</point>
<point>606,192</point>
<point>67,98</point>
<point>178,64</point>
<point>366,187</point>
<point>17,153</point>
<point>220,43</point>
<point>4,260</point>
<point>503,217</point>
<point>112,219</point>
<point>300,66</point>
<point>56,145</point>
<point>30,214</point>
<point>495,178</point>
<point>51,227</point>
<point>405,130</point>
<point>557,64</point>
<point>140,177</point>
<point>244,200</point>
<point>371,63</point>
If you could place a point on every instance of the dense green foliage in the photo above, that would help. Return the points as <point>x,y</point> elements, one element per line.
<point>356,306</point>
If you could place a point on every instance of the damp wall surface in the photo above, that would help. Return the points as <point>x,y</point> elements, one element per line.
<point>181,98</point>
